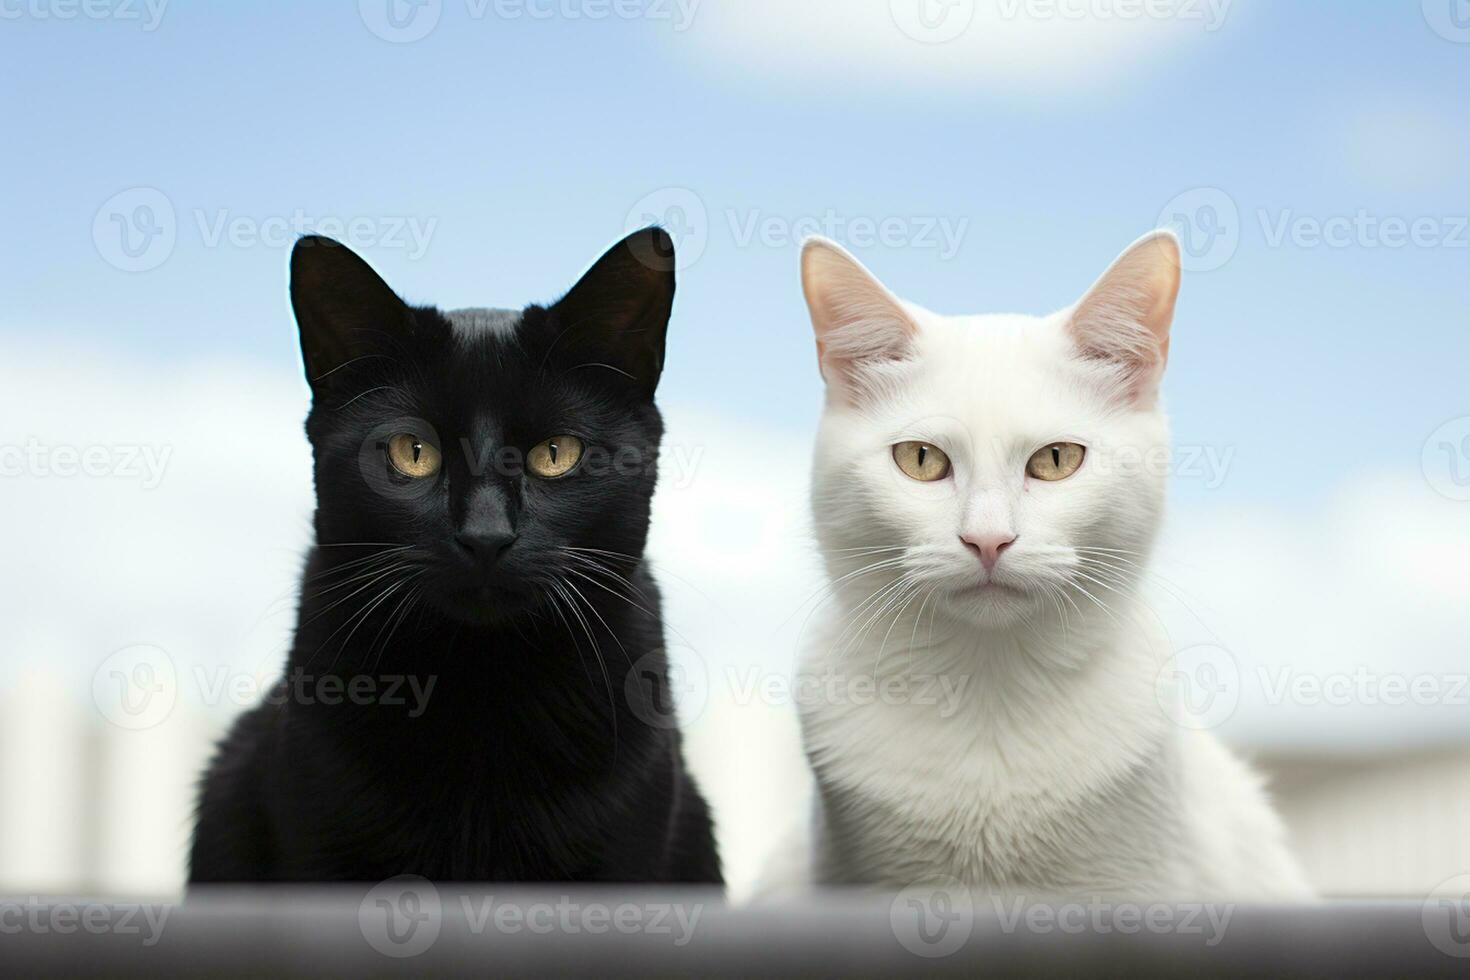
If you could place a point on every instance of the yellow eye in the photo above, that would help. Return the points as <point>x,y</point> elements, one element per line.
<point>411,456</point>
<point>921,461</point>
<point>1055,462</point>
<point>555,457</point>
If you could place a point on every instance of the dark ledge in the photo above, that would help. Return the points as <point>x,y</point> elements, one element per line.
<point>406,927</point>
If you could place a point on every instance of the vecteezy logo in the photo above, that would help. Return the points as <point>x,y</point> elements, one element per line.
<point>401,917</point>
<point>658,690</point>
<point>1445,916</point>
<point>1199,687</point>
<point>135,230</point>
<point>136,687</point>
<point>932,21</point>
<point>1208,225</point>
<point>400,21</point>
<point>934,919</point>
<point>681,213</point>
<point>1450,19</point>
<point>1446,459</point>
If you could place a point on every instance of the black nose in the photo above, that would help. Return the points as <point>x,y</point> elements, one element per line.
<point>486,547</point>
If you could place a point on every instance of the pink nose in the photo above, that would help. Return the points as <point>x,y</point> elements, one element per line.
<point>987,547</point>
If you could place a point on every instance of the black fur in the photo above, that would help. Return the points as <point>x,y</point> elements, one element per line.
<point>535,755</point>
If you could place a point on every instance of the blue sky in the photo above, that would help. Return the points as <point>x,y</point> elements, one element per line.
<point>522,146</point>
<point>523,143</point>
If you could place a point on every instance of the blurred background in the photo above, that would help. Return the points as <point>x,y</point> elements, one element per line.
<point>979,156</point>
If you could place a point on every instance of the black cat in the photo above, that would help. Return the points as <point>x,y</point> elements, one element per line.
<point>473,693</point>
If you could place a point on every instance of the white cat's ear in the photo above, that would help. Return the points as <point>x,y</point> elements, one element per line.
<point>858,323</point>
<point>1124,318</point>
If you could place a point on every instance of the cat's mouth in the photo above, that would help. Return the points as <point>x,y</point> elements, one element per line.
<point>991,589</point>
<point>486,603</point>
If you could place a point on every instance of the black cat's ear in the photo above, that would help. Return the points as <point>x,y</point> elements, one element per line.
<point>617,315</point>
<point>344,310</point>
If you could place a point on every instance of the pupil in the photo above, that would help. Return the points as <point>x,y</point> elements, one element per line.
<point>418,447</point>
<point>923,454</point>
<point>1056,456</point>
<point>552,447</point>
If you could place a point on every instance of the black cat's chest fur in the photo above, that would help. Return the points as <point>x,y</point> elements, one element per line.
<point>473,785</point>
<point>456,703</point>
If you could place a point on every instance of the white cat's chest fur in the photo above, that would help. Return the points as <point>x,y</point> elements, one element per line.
<point>1035,780</point>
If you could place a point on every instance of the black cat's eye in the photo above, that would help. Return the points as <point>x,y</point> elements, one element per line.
<point>412,456</point>
<point>555,457</point>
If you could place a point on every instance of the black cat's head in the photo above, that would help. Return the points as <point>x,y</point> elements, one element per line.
<point>498,454</point>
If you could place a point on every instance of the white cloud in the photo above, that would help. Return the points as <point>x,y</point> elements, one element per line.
<point>1367,593</point>
<point>1042,44</point>
<point>195,551</point>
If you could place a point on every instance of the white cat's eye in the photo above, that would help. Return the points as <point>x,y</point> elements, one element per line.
<point>921,461</point>
<point>412,456</point>
<point>1055,462</point>
<point>555,457</point>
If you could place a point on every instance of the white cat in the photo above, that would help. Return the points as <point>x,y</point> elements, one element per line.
<point>987,490</point>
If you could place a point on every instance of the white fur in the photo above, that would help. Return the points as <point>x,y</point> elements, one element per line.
<point>1058,771</point>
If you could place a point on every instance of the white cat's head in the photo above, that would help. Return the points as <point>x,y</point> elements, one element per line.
<point>1007,468</point>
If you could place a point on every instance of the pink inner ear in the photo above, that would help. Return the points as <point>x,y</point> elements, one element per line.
<point>1126,316</point>
<point>857,322</point>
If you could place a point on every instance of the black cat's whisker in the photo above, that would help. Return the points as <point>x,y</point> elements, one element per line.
<point>363,394</point>
<point>347,621</point>
<point>361,567</point>
<point>586,626</point>
<point>618,579</point>
<point>360,575</point>
<point>360,544</point>
<point>593,609</point>
<point>559,597</point>
<point>596,652</point>
<point>589,569</point>
<point>598,567</point>
<point>338,567</point>
<point>362,611</point>
<point>376,577</point>
<point>664,572</point>
<point>569,329</point>
<point>607,570</point>
<point>608,366</point>
<point>601,554</point>
<point>363,617</point>
<point>392,623</point>
<point>608,589</point>
<point>362,357</point>
<point>556,595</point>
